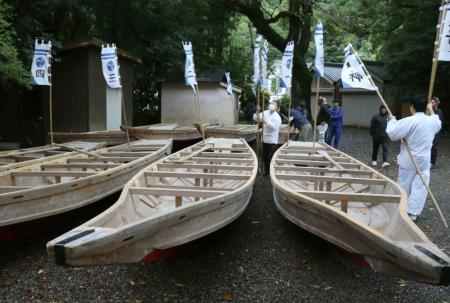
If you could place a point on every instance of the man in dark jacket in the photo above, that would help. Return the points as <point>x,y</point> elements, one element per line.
<point>435,103</point>
<point>378,132</point>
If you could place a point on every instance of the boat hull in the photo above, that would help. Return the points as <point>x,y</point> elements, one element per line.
<point>111,138</point>
<point>158,134</point>
<point>421,261</point>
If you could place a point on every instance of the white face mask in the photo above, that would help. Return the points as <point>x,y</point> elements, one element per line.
<point>272,107</point>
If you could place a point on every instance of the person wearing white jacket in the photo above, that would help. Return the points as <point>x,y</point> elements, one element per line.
<point>271,122</point>
<point>418,131</point>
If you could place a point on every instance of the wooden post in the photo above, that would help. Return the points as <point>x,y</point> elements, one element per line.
<point>50,112</point>
<point>124,114</point>
<point>196,95</point>
<point>178,201</point>
<point>197,183</point>
<point>289,115</point>
<point>262,138</point>
<point>411,156</point>
<point>344,205</point>
<point>437,43</point>
<point>315,112</point>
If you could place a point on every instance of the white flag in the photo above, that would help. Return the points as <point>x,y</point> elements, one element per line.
<point>286,65</point>
<point>229,85</point>
<point>256,61</point>
<point>110,66</point>
<point>353,75</point>
<point>40,69</point>
<point>189,67</point>
<point>444,45</point>
<point>264,52</point>
<point>319,61</point>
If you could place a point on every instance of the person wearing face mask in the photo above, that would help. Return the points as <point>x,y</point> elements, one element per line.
<point>335,124</point>
<point>377,130</point>
<point>418,132</point>
<point>271,122</point>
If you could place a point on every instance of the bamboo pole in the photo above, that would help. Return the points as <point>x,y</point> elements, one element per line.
<point>315,112</point>
<point>196,95</point>
<point>258,135</point>
<point>262,113</point>
<point>403,142</point>
<point>50,111</point>
<point>289,115</point>
<point>437,42</point>
<point>124,115</point>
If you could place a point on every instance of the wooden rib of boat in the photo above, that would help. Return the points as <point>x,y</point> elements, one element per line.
<point>245,131</point>
<point>351,205</point>
<point>58,186</point>
<point>176,200</point>
<point>13,159</point>
<point>164,131</point>
<point>111,137</point>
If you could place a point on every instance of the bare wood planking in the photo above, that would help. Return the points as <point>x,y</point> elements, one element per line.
<point>356,197</point>
<point>52,173</point>
<point>322,170</point>
<point>219,154</point>
<point>177,192</point>
<point>332,179</point>
<point>195,175</point>
<point>79,165</point>
<point>201,166</point>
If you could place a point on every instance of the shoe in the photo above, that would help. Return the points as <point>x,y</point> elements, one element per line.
<point>385,164</point>
<point>374,163</point>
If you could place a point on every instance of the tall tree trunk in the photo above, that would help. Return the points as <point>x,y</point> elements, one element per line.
<point>299,15</point>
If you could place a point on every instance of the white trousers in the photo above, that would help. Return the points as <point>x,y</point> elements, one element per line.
<point>322,129</point>
<point>410,181</point>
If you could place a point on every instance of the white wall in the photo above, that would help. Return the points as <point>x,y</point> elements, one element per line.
<point>177,104</point>
<point>113,108</point>
<point>359,108</point>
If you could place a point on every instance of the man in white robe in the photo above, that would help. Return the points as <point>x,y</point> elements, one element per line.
<point>271,121</point>
<point>418,131</point>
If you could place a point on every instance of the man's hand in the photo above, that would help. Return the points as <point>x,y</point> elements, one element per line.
<point>263,121</point>
<point>430,110</point>
<point>258,108</point>
<point>391,117</point>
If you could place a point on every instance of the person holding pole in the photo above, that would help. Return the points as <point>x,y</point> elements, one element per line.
<point>418,131</point>
<point>435,103</point>
<point>271,122</point>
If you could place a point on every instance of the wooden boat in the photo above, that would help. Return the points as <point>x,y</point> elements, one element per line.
<point>353,206</point>
<point>54,187</point>
<point>245,131</point>
<point>164,131</point>
<point>13,159</point>
<point>111,137</point>
<point>173,201</point>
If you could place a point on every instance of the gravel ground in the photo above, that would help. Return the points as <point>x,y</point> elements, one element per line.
<point>261,257</point>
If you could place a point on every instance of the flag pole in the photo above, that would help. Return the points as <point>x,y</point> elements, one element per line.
<point>437,43</point>
<point>258,137</point>
<point>50,113</point>
<point>411,156</point>
<point>315,112</point>
<point>124,115</point>
<point>289,115</point>
<point>262,113</point>
<point>196,93</point>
